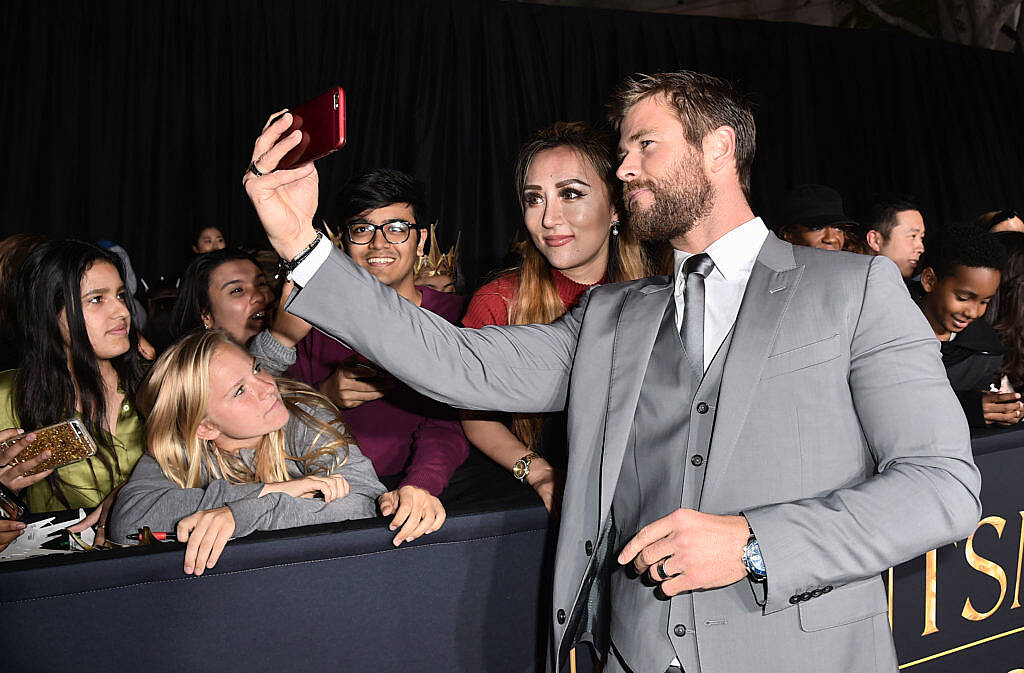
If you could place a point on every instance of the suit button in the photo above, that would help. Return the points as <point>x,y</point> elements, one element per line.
<point>806,596</point>
<point>702,408</point>
<point>827,589</point>
<point>679,630</point>
<point>697,461</point>
<point>589,547</point>
<point>816,593</point>
<point>794,599</point>
<point>560,616</point>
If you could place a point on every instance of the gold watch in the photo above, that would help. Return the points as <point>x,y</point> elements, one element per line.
<point>521,468</point>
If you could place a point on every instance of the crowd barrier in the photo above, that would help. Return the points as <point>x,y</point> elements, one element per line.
<point>470,597</point>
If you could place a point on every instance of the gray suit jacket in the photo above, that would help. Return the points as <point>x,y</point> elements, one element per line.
<point>837,435</point>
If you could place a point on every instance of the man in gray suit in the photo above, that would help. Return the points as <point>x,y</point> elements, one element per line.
<point>752,441</point>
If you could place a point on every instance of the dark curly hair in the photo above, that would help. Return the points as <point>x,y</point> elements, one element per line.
<point>965,245</point>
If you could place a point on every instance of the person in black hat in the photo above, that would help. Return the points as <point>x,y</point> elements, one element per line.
<point>813,216</point>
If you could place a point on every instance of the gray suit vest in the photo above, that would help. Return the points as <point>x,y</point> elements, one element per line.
<point>662,470</point>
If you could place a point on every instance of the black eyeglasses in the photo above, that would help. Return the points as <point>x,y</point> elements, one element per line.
<point>362,232</point>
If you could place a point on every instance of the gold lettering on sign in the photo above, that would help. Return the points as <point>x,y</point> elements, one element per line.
<point>983,565</point>
<point>1020,556</point>
<point>930,563</point>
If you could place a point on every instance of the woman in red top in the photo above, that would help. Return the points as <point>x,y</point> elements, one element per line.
<point>565,179</point>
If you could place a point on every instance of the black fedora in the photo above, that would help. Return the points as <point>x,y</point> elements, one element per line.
<point>815,207</point>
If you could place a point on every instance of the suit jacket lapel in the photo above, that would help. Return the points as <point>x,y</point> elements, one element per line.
<point>772,283</point>
<point>635,333</point>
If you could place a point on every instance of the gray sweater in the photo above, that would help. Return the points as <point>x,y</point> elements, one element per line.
<point>149,498</point>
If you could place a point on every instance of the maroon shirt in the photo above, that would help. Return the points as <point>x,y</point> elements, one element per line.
<point>402,432</point>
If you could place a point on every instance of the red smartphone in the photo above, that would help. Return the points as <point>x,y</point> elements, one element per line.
<point>322,122</point>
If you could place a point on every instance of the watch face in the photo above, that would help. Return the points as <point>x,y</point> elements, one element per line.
<point>519,469</point>
<point>752,558</point>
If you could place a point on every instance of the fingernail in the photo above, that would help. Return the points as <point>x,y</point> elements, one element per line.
<point>392,527</point>
<point>428,532</point>
<point>19,525</point>
<point>409,539</point>
<point>47,453</point>
<point>188,570</point>
<point>396,542</point>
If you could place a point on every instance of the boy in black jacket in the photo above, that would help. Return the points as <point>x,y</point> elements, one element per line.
<point>963,273</point>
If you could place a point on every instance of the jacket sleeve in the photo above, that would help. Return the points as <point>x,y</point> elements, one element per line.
<point>439,446</point>
<point>523,368</point>
<point>273,356</point>
<point>925,492</point>
<point>970,402</point>
<point>149,498</point>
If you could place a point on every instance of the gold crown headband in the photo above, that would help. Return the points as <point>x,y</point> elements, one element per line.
<point>436,263</point>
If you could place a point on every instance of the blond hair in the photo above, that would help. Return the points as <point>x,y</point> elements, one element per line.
<point>174,399</point>
<point>536,300</point>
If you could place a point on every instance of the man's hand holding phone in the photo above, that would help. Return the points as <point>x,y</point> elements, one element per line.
<point>285,200</point>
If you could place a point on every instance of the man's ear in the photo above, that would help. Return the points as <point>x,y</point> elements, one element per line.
<point>207,431</point>
<point>929,279</point>
<point>195,249</point>
<point>874,240</point>
<point>719,148</point>
<point>424,235</point>
<point>786,234</point>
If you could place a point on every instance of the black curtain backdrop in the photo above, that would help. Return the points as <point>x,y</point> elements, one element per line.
<point>134,121</point>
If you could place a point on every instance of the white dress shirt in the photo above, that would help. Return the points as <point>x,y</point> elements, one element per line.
<point>733,254</point>
<point>312,263</point>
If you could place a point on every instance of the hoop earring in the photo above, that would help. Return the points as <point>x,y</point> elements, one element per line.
<point>615,227</point>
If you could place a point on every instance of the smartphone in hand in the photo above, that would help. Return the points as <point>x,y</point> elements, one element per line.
<point>322,122</point>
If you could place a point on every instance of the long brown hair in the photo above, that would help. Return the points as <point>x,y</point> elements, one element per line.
<point>1006,312</point>
<point>536,300</point>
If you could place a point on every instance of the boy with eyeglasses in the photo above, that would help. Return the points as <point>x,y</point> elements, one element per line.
<point>415,443</point>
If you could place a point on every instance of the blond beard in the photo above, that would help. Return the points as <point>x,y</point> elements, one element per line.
<point>681,200</point>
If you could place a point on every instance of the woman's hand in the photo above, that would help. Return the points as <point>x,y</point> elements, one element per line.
<point>98,517</point>
<point>548,482</point>
<point>332,487</point>
<point>285,200</point>
<point>9,532</point>
<point>13,476</point>
<point>416,511</point>
<point>205,532</point>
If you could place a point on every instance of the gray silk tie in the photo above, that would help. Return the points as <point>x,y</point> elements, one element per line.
<point>695,270</point>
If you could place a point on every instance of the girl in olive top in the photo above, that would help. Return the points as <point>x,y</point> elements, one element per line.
<point>79,360</point>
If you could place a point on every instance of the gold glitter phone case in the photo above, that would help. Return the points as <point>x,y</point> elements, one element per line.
<point>68,442</point>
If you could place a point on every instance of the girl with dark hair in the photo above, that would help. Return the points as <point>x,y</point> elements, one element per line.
<point>565,182</point>
<point>207,239</point>
<point>1006,313</point>
<point>79,359</point>
<point>224,289</point>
